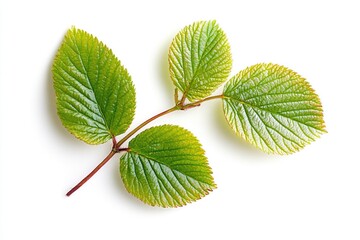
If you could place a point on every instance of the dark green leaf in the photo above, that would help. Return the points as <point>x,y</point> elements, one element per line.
<point>94,92</point>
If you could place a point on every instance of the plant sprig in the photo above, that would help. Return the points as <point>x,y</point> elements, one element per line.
<point>268,105</point>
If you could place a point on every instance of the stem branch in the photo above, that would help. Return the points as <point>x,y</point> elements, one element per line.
<point>197,103</point>
<point>116,145</point>
<point>145,123</point>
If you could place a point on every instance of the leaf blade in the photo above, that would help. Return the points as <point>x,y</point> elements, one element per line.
<point>273,108</point>
<point>199,59</point>
<point>166,167</point>
<point>95,97</point>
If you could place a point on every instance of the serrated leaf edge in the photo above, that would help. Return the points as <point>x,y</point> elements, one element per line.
<point>56,57</point>
<point>321,131</point>
<point>190,82</point>
<point>184,203</point>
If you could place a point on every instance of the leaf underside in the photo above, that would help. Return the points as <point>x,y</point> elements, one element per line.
<point>199,59</point>
<point>94,92</point>
<point>273,108</point>
<point>166,167</point>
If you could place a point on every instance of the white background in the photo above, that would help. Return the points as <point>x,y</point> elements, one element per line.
<point>313,194</point>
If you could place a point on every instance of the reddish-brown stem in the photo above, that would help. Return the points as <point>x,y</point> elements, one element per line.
<point>197,103</point>
<point>108,157</point>
<point>182,100</point>
<point>116,145</point>
<point>114,141</point>
<point>123,150</point>
<point>145,123</point>
<point>116,148</point>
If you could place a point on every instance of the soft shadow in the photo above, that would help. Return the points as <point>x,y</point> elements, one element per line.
<point>222,128</point>
<point>61,132</point>
<point>163,69</point>
<point>50,106</point>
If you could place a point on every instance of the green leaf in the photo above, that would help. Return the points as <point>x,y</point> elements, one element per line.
<point>94,92</point>
<point>199,59</point>
<point>273,108</point>
<point>166,167</point>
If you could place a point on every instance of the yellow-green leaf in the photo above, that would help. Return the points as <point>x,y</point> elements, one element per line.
<point>94,92</point>
<point>166,167</point>
<point>199,59</point>
<point>273,108</point>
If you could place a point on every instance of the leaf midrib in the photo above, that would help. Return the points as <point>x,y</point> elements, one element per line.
<point>164,164</point>
<point>91,86</point>
<point>267,111</point>
<point>194,73</point>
